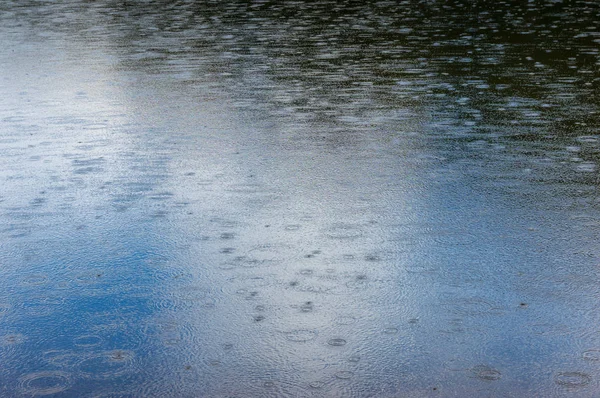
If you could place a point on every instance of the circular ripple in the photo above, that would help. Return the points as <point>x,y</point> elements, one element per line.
<point>317,384</point>
<point>473,306</point>
<point>310,365</point>
<point>91,277</point>
<point>591,355</point>
<point>572,379</point>
<point>12,339</point>
<point>35,279</point>
<point>169,332</point>
<point>108,364</point>
<point>301,335</point>
<point>344,374</point>
<point>358,284</point>
<point>344,231</point>
<point>243,284</point>
<point>345,320</point>
<point>45,383</point>
<point>192,295</point>
<point>42,305</point>
<point>483,372</point>
<point>337,342</point>
<point>63,358</point>
<point>89,340</point>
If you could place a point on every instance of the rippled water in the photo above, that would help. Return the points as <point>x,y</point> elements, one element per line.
<point>299,199</point>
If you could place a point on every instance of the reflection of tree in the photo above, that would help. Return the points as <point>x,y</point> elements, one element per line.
<point>514,64</point>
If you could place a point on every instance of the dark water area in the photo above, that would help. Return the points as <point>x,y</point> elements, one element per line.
<point>299,199</point>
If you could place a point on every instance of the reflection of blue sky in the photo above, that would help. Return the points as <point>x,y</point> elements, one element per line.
<point>82,273</point>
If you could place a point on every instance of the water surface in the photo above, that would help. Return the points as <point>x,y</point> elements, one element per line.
<point>220,199</point>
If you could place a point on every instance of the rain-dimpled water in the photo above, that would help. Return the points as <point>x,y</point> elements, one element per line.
<point>299,199</point>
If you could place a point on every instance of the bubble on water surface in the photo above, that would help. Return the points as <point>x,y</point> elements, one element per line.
<point>572,379</point>
<point>45,383</point>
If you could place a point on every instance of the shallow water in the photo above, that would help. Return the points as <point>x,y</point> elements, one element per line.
<point>209,199</point>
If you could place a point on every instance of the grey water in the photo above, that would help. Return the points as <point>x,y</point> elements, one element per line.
<point>299,199</point>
